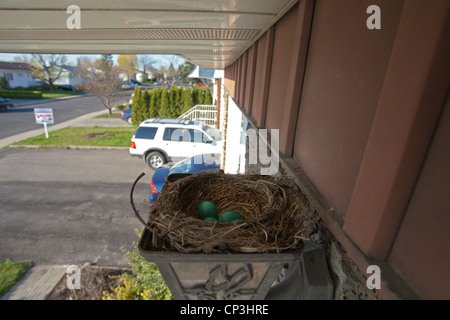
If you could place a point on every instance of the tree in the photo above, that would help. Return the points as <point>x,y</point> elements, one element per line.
<point>146,103</point>
<point>145,61</point>
<point>195,94</point>
<point>47,67</point>
<point>128,63</point>
<point>136,111</point>
<point>188,100</point>
<point>208,99</point>
<point>4,84</point>
<point>185,69</point>
<point>154,103</point>
<point>180,100</point>
<point>171,73</point>
<point>173,101</point>
<point>201,96</point>
<point>164,111</point>
<point>106,61</point>
<point>102,80</point>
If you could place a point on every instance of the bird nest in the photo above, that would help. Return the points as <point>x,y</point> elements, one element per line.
<point>275,214</point>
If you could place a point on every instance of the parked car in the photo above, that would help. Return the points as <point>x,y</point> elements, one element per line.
<point>5,104</point>
<point>161,140</point>
<point>68,87</point>
<point>129,85</point>
<point>199,163</point>
<point>126,115</point>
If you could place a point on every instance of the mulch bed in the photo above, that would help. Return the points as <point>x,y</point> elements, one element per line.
<point>94,280</point>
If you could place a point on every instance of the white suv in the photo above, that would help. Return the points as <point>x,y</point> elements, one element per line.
<point>160,140</point>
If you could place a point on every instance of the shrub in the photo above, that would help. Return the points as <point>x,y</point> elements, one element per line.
<point>144,283</point>
<point>208,97</point>
<point>164,111</point>
<point>19,94</point>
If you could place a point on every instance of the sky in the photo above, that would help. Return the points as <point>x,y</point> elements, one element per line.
<point>159,59</point>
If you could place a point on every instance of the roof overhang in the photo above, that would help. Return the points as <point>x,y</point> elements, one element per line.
<point>211,34</point>
<point>201,73</point>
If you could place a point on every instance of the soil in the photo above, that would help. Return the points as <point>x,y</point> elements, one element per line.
<point>94,280</point>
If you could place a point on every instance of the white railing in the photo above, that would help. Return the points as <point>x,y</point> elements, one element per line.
<point>201,112</point>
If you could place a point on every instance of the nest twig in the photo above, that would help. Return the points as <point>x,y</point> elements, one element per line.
<point>274,212</point>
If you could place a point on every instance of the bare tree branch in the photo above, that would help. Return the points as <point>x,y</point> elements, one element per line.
<point>102,80</point>
<point>47,68</point>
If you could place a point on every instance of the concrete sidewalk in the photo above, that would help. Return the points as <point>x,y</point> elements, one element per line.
<point>37,283</point>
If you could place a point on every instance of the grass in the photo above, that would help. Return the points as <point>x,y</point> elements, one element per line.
<point>83,136</point>
<point>59,94</point>
<point>115,115</point>
<point>10,273</point>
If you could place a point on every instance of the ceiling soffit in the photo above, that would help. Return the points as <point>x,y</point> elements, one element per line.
<point>211,34</point>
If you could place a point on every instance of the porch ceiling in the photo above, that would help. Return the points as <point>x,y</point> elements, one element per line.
<point>209,33</point>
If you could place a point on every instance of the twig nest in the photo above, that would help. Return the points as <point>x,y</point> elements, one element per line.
<point>273,214</point>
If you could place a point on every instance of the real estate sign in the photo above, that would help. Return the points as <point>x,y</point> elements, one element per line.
<point>44,116</point>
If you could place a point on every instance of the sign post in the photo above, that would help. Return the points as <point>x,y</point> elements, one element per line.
<point>44,116</point>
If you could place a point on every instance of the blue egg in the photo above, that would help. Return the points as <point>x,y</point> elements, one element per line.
<point>207,209</point>
<point>231,216</point>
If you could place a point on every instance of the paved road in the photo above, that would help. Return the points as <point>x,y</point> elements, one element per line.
<point>21,118</point>
<point>69,206</point>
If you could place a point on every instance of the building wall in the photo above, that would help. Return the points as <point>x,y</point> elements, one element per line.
<point>18,78</point>
<point>357,110</point>
<point>343,80</point>
<point>420,251</point>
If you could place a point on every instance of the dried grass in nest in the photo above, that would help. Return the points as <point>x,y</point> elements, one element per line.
<point>274,212</point>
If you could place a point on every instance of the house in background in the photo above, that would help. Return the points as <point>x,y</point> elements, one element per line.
<point>17,74</point>
<point>70,76</point>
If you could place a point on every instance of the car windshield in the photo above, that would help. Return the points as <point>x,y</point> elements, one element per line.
<point>183,166</point>
<point>214,133</point>
<point>187,165</point>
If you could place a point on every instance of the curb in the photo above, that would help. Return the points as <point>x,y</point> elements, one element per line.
<point>24,135</point>
<point>20,146</point>
<point>40,101</point>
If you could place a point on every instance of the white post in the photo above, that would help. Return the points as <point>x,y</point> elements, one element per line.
<point>46,131</point>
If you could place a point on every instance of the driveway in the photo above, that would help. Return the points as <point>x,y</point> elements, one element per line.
<point>67,207</point>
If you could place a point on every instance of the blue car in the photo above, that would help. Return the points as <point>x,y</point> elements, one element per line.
<point>199,163</point>
<point>126,115</point>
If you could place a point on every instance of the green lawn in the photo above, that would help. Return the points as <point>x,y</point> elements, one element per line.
<point>59,94</point>
<point>80,136</point>
<point>10,273</point>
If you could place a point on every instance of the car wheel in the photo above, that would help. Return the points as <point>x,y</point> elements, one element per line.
<point>155,160</point>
